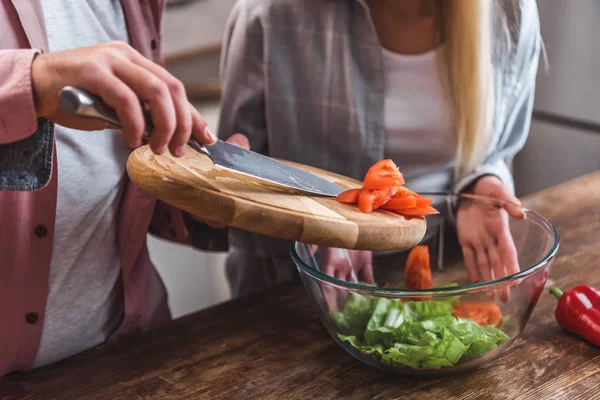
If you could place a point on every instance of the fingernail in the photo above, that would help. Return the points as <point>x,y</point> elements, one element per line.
<point>162,150</point>
<point>209,134</point>
<point>181,150</point>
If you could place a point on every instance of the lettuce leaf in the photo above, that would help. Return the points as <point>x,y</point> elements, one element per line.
<point>419,334</point>
<point>355,315</point>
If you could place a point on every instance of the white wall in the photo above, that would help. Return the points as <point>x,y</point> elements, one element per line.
<point>194,280</point>
<point>554,154</point>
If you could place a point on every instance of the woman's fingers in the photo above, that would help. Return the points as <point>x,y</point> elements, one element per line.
<point>499,269</point>
<point>340,273</point>
<point>514,207</point>
<point>483,263</point>
<point>508,251</point>
<point>366,273</point>
<point>495,261</point>
<point>347,265</point>
<point>471,263</point>
<point>484,267</point>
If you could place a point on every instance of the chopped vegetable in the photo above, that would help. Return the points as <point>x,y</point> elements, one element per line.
<point>423,201</point>
<point>401,202</point>
<point>417,272</point>
<point>370,200</point>
<point>349,196</point>
<point>484,313</point>
<point>383,174</point>
<point>417,211</point>
<point>417,335</point>
<point>382,188</point>
<point>578,311</point>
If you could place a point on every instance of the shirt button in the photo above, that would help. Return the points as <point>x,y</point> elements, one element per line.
<point>153,44</point>
<point>41,231</point>
<point>31,318</point>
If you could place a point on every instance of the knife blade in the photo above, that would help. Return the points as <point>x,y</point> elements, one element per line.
<point>77,102</point>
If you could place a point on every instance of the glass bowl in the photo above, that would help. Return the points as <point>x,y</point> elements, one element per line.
<point>457,325</point>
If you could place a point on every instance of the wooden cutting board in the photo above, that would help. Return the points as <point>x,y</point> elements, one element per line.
<point>193,183</point>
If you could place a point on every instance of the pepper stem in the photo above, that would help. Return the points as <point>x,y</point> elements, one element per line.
<point>557,292</point>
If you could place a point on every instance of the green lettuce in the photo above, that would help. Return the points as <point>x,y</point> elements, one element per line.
<point>419,334</point>
<point>353,319</point>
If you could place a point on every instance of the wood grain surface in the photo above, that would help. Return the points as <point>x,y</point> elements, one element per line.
<point>272,345</point>
<point>194,184</point>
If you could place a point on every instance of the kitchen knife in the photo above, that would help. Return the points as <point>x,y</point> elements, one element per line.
<point>77,102</point>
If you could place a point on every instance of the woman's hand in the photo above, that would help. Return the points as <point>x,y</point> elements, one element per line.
<point>347,265</point>
<point>123,78</point>
<point>484,234</point>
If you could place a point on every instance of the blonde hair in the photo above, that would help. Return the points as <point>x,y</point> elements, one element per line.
<point>467,36</point>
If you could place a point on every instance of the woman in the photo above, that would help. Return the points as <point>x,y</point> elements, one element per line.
<point>443,87</point>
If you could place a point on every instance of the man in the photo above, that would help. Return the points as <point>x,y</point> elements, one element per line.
<point>74,267</point>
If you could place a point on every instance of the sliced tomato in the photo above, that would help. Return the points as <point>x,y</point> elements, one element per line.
<point>483,313</point>
<point>349,196</point>
<point>371,200</point>
<point>400,202</point>
<point>423,201</point>
<point>417,211</point>
<point>417,272</point>
<point>383,174</point>
<point>404,191</point>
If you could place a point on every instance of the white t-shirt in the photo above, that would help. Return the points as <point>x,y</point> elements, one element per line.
<point>85,294</point>
<point>419,118</point>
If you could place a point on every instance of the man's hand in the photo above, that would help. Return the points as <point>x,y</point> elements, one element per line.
<point>484,233</point>
<point>123,78</point>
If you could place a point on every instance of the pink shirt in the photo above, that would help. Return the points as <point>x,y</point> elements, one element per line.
<point>27,217</point>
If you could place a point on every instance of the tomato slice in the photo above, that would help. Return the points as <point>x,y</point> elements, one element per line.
<point>371,200</point>
<point>349,196</point>
<point>382,188</point>
<point>404,191</point>
<point>484,313</point>
<point>423,201</point>
<point>383,174</point>
<point>401,202</point>
<point>417,272</point>
<point>417,211</point>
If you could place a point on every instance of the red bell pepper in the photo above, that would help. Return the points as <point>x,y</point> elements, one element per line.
<point>578,311</point>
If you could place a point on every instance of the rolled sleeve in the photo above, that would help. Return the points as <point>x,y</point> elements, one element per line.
<point>17,108</point>
<point>26,142</point>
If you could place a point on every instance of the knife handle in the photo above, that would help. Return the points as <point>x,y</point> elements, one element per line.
<point>79,103</point>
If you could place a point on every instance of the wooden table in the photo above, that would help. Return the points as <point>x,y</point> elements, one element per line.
<point>272,346</point>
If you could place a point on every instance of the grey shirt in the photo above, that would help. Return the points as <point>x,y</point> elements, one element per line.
<point>304,81</point>
<point>85,294</point>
